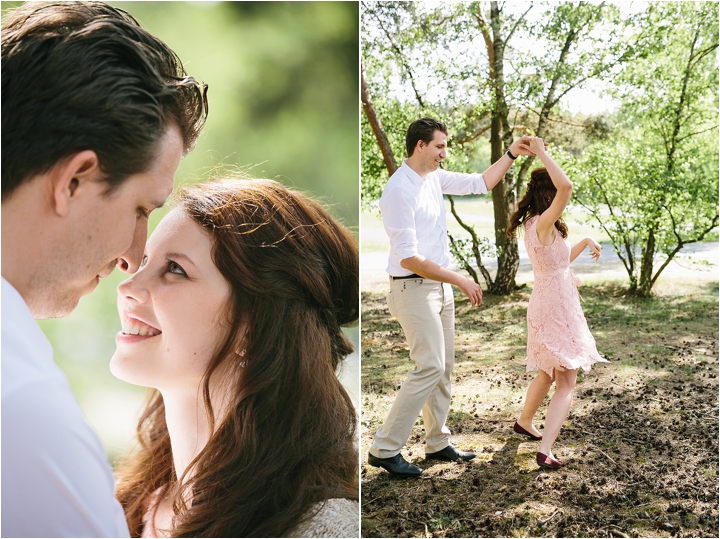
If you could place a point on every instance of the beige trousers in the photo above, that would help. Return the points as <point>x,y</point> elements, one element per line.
<point>426,312</point>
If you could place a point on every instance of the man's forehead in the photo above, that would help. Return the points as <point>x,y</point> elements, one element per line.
<point>156,191</point>
<point>439,138</point>
<point>149,190</point>
<point>164,194</point>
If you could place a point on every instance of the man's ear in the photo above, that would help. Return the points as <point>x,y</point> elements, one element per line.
<point>71,177</point>
<point>420,145</point>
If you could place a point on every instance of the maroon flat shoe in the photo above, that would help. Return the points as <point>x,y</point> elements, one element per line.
<point>517,428</point>
<point>548,462</point>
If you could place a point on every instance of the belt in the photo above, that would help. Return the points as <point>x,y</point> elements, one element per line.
<point>411,276</point>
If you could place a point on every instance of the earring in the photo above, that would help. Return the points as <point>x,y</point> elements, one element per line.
<point>241,354</point>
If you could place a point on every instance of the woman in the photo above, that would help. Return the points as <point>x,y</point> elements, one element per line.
<point>559,341</point>
<point>234,319</point>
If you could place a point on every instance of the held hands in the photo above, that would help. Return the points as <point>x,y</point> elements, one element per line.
<point>472,290</point>
<point>528,146</point>
<point>595,248</point>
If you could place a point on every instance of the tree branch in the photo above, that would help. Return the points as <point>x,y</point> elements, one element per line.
<point>680,139</point>
<point>485,31</point>
<point>375,124</point>
<point>401,58</point>
<point>703,53</point>
<point>623,232</point>
<point>475,243</point>
<point>517,23</point>
<point>613,237</point>
<point>681,242</point>
<point>680,106</point>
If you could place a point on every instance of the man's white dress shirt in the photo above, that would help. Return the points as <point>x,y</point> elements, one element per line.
<point>56,481</point>
<point>413,213</point>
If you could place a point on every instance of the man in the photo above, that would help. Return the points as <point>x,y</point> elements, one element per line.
<point>96,115</point>
<point>421,297</point>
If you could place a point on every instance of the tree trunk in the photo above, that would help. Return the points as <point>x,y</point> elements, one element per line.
<point>646,268</point>
<point>375,124</point>
<point>503,193</point>
<point>475,248</point>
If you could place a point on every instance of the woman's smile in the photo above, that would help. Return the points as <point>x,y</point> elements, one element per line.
<point>135,326</point>
<point>135,330</point>
<point>175,302</point>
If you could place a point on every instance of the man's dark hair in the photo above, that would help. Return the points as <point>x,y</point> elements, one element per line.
<point>84,76</point>
<point>422,129</point>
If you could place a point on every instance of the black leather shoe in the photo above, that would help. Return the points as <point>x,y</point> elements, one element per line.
<point>396,465</point>
<point>450,453</point>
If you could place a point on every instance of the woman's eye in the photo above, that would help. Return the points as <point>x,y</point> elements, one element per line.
<point>144,261</point>
<point>174,267</point>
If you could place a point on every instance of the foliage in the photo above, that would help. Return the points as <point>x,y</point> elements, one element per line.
<point>477,72</point>
<point>374,175</point>
<point>653,186</point>
<point>283,80</point>
<point>634,199</point>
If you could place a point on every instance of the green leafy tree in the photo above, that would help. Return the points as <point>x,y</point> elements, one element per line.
<point>471,64</point>
<point>653,186</point>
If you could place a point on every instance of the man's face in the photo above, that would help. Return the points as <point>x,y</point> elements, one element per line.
<point>106,230</point>
<point>436,151</point>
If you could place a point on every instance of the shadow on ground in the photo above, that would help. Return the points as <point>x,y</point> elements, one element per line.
<point>640,445</point>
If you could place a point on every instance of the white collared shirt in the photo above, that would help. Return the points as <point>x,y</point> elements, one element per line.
<point>413,213</point>
<point>56,481</point>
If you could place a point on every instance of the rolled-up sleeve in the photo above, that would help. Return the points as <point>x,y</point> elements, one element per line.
<point>459,183</point>
<point>398,216</point>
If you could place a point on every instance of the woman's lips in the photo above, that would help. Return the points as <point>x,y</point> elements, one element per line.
<point>128,338</point>
<point>133,326</point>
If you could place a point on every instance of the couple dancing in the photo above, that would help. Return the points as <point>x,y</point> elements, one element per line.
<point>421,296</point>
<point>232,315</point>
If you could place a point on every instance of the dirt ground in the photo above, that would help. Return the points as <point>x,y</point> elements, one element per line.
<point>640,445</point>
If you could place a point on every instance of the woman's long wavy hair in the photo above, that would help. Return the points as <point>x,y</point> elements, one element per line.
<point>288,440</point>
<point>539,194</point>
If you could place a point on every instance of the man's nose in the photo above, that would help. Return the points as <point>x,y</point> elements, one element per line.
<point>130,260</point>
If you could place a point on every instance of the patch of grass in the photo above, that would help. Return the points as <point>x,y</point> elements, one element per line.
<point>640,444</point>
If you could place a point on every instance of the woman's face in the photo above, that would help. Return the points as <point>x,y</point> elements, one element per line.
<point>172,310</point>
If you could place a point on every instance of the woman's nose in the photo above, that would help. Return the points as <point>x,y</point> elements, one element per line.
<point>134,289</point>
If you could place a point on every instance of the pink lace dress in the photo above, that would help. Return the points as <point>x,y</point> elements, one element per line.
<point>558,334</point>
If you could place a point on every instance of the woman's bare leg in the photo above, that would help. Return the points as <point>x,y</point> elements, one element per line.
<point>558,408</point>
<point>536,393</point>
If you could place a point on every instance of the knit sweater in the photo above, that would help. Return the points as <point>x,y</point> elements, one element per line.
<point>336,517</point>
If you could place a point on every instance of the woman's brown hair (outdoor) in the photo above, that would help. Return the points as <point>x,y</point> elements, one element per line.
<point>538,196</point>
<point>288,439</point>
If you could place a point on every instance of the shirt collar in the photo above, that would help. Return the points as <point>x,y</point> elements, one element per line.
<point>410,173</point>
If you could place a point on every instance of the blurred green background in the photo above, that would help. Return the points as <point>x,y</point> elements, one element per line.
<point>283,92</point>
